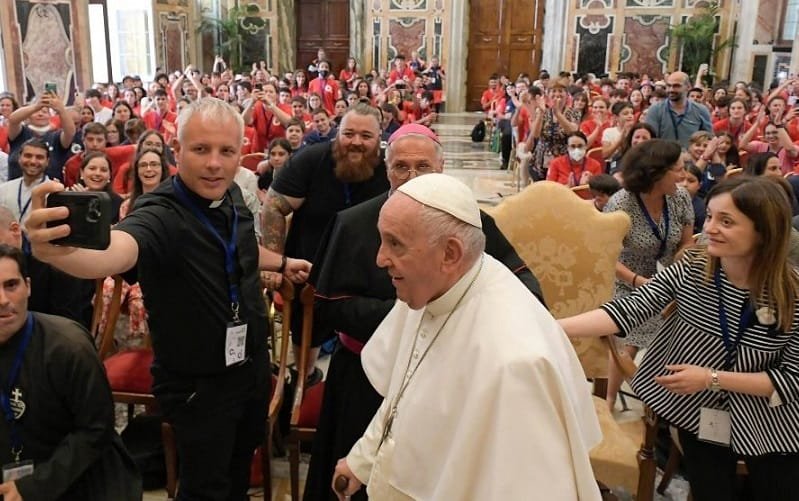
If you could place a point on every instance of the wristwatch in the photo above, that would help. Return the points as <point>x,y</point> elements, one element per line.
<point>715,385</point>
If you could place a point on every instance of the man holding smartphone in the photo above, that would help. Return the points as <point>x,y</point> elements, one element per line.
<point>32,121</point>
<point>193,236</point>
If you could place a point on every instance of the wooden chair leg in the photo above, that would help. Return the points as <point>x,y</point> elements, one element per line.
<point>170,458</point>
<point>294,468</point>
<point>671,468</point>
<point>646,459</point>
<point>266,463</point>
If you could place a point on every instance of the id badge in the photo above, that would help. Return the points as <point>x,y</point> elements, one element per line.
<point>235,343</point>
<point>659,266</point>
<point>16,470</point>
<point>714,426</point>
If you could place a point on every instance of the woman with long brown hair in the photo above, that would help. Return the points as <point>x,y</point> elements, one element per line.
<point>724,366</point>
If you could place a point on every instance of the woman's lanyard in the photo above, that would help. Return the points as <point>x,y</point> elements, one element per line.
<point>229,246</point>
<point>5,396</point>
<point>747,313</point>
<point>663,239</point>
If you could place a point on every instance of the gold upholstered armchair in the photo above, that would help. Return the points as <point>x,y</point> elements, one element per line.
<point>572,248</point>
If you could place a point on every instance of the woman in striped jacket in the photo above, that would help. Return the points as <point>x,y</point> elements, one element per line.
<point>724,367</point>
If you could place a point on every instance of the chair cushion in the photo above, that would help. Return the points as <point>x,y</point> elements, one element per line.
<point>129,371</point>
<point>614,459</point>
<point>311,406</point>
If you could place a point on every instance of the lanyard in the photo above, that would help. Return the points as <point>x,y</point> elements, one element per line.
<point>676,123</point>
<point>229,247</point>
<point>24,209</point>
<point>5,396</point>
<point>731,345</point>
<point>663,239</point>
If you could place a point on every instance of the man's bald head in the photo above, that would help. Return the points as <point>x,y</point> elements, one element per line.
<point>10,230</point>
<point>677,85</point>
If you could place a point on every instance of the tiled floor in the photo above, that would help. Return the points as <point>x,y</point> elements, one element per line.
<point>476,166</point>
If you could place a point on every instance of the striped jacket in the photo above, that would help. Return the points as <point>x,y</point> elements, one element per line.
<point>693,335</point>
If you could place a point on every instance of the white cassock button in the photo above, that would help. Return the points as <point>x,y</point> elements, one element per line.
<point>415,354</point>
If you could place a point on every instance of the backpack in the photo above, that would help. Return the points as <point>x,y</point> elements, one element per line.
<point>479,132</point>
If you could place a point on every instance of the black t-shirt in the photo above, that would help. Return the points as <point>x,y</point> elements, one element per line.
<point>58,154</point>
<point>181,270</point>
<point>309,174</point>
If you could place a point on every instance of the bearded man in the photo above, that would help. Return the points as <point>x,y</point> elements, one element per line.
<point>317,182</point>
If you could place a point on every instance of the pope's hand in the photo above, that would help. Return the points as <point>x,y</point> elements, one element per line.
<point>353,484</point>
<point>9,491</point>
<point>297,270</point>
<point>36,228</point>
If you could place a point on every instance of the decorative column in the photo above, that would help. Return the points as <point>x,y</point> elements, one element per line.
<point>744,38</point>
<point>455,64</point>
<point>357,23</point>
<point>795,56</point>
<point>287,35</point>
<point>554,43</point>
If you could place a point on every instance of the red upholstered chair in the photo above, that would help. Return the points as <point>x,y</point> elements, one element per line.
<point>251,160</point>
<point>128,373</point>
<point>307,401</point>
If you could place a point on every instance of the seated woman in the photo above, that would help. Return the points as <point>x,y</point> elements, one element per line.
<point>95,175</point>
<point>150,169</point>
<point>574,168</point>
<point>722,368</point>
<point>703,153</point>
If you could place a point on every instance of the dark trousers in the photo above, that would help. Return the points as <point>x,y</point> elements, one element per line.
<point>506,140</point>
<point>218,423</point>
<point>711,473</point>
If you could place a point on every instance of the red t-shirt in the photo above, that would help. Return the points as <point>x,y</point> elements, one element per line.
<point>4,139</point>
<point>266,124</point>
<point>117,156</point>
<point>329,91</point>
<point>395,75</point>
<point>561,170</point>
<point>723,125</point>
<point>588,127</point>
<point>166,125</point>
<point>523,123</point>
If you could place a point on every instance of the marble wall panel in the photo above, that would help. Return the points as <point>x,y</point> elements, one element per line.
<point>767,29</point>
<point>402,26</point>
<point>175,22</point>
<point>645,44</point>
<point>637,40</point>
<point>593,41</point>
<point>173,41</point>
<point>45,41</point>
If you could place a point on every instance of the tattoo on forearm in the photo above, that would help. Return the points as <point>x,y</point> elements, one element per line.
<point>273,220</point>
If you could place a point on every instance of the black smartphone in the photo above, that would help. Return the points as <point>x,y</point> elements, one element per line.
<point>89,218</point>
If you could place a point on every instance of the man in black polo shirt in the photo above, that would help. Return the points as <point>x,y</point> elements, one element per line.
<point>191,245</point>
<point>317,182</point>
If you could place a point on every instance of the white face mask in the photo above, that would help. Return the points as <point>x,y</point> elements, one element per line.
<point>577,154</point>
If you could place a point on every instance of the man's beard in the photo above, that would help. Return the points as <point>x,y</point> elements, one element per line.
<point>350,172</point>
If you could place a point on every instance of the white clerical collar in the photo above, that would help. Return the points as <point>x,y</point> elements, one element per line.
<point>215,203</point>
<point>447,302</point>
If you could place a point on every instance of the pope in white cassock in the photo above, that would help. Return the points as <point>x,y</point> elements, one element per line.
<point>484,396</point>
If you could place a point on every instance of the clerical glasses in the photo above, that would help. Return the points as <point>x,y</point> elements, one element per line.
<point>403,172</point>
